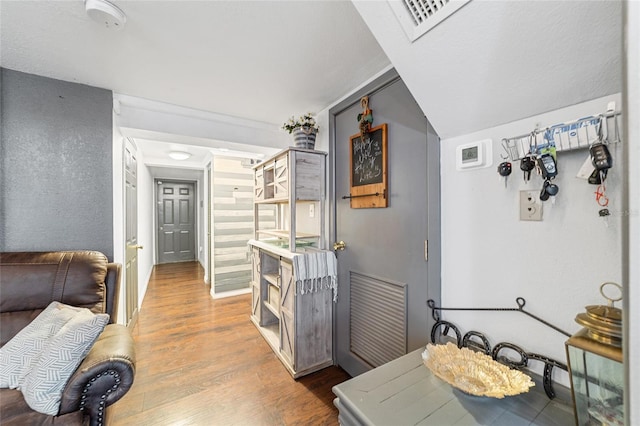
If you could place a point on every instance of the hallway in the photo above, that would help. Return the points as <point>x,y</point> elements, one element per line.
<point>200,361</point>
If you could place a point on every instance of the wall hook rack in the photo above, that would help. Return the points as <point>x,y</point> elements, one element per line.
<point>576,134</point>
<point>519,301</point>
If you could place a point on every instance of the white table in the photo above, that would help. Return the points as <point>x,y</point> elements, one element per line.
<point>404,392</point>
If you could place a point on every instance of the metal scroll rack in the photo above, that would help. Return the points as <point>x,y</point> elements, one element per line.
<point>477,341</point>
<point>577,134</point>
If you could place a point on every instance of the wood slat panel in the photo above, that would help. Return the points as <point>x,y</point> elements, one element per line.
<point>232,221</point>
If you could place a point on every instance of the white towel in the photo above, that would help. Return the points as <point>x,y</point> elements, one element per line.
<point>316,271</point>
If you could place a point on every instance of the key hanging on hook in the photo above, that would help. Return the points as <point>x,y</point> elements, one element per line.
<point>604,214</point>
<point>504,170</point>
<point>603,201</point>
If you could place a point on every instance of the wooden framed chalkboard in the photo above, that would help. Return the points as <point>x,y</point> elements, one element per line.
<point>368,162</point>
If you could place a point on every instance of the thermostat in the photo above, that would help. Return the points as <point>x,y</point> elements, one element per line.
<point>474,155</point>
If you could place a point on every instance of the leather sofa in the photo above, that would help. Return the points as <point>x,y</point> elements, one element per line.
<point>29,281</point>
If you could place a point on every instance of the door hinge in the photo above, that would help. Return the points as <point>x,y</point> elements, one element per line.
<point>426,250</point>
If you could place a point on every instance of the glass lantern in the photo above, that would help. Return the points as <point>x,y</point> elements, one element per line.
<point>594,356</point>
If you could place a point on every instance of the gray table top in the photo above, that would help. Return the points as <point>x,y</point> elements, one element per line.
<point>404,392</point>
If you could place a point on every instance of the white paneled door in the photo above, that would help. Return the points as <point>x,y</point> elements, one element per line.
<point>131,232</point>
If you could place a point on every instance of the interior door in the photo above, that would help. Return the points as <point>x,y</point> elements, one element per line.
<point>131,232</point>
<point>176,221</point>
<point>382,272</point>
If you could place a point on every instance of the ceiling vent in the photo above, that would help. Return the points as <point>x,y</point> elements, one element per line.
<point>419,16</point>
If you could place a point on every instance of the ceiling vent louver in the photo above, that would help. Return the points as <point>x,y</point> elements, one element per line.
<point>419,16</point>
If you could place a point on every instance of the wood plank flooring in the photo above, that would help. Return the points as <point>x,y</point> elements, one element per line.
<point>201,361</point>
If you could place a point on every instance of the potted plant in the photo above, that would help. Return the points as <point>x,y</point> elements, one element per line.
<point>304,130</point>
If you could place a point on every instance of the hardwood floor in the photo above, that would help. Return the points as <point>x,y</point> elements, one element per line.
<point>202,362</point>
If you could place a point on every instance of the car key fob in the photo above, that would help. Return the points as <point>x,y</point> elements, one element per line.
<point>504,168</point>
<point>600,156</point>
<point>526,165</point>
<point>547,165</point>
<point>595,178</point>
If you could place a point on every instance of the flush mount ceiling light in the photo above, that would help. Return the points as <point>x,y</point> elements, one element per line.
<point>105,13</point>
<point>179,155</point>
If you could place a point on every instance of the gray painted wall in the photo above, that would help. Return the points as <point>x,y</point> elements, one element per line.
<point>56,184</point>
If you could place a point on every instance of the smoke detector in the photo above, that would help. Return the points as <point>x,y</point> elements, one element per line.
<point>105,13</point>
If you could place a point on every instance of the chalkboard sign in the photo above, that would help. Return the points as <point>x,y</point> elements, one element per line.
<point>367,159</point>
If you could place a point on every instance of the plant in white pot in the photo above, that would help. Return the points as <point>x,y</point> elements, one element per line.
<point>304,130</point>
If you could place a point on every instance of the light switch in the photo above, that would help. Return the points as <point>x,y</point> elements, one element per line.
<point>312,210</point>
<point>530,206</point>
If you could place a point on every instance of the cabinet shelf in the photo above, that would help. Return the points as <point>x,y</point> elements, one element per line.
<point>283,233</point>
<point>286,181</point>
<point>273,279</point>
<point>274,310</point>
<point>283,200</point>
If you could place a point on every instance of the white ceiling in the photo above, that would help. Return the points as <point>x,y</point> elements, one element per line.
<point>260,60</point>
<point>488,64</point>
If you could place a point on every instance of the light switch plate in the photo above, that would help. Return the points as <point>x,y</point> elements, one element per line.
<point>530,206</point>
<point>312,210</point>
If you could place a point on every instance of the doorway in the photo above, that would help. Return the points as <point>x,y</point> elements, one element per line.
<point>385,276</point>
<point>175,221</point>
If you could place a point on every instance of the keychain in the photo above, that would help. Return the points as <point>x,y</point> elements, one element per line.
<point>548,189</point>
<point>602,162</point>
<point>603,201</point>
<point>504,169</point>
<point>547,168</point>
<point>527,164</point>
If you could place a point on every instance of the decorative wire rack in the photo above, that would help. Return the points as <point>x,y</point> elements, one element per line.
<point>577,134</point>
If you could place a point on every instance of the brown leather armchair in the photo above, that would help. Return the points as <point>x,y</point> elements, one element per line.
<point>29,281</point>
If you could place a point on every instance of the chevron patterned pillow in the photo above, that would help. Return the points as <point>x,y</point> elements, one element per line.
<point>43,385</point>
<point>19,354</point>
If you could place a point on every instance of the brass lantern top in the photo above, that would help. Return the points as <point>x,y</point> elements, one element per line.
<point>603,322</point>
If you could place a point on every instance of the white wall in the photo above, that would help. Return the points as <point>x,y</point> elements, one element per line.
<point>490,257</point>
<point>161,122</point>
<point>493,62</point>
<point>146,227</point>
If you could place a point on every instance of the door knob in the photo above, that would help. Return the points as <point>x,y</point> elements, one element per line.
<point>340,245</point>
<point>138,247</point>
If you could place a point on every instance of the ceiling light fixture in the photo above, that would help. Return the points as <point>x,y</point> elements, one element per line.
<point>105,13</point>
<point>179,155</point>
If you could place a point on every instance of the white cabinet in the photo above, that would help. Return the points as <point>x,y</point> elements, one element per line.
<point>290,190</point>
<point>297,326</point>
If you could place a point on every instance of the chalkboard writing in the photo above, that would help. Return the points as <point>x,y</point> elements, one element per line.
<point>366,159</point>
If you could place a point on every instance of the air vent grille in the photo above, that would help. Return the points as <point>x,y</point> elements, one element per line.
<point>419,16</point>
<point>378,318</point>
<point>422,10</point>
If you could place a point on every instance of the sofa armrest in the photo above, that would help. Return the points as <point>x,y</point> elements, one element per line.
<point>103,377</point>
<point>112,289</point>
